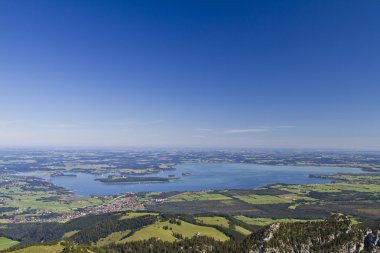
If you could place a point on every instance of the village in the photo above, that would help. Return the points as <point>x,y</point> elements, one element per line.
<point>121,203</point>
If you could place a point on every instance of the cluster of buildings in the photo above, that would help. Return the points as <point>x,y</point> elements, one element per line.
<point>120,203</point>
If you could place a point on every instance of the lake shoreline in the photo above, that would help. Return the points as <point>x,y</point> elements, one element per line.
<point>197,177</point>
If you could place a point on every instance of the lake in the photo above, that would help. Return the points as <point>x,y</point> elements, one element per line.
<point>204,176</point>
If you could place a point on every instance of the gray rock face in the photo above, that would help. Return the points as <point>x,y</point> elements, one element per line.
<point>336,234</point>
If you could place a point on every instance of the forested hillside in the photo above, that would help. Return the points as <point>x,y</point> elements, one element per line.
<point>335,234</point>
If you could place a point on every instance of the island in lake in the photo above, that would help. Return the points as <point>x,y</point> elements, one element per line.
<point>125,179</point>
<point>61,174</point>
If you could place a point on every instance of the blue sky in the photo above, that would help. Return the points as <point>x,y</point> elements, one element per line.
<point>296,74</point>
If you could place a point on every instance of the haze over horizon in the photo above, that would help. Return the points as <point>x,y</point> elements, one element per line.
<point>272,74</point>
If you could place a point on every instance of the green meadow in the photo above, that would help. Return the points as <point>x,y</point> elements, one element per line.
<point>6,243</point>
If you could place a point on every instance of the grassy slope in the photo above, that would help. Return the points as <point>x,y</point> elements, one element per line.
<point>117,237</point>
<point>185,229</point>
<point>242,230</point>
<point>131,215</point>
<point>6,243</point>
<point>216,220</point>
<point>154,230</point>
<point>223,222</point>
<point>41,249</point>
<point>69,234</point>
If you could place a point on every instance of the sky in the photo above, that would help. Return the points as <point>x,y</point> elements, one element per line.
<point>190,73</point>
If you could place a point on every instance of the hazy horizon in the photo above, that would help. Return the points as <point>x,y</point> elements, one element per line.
<point>182,148</point>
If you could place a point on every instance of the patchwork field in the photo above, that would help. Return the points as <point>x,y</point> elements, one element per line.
<point>202,195</point>
<point>266,221</point>
<point>33,196</point>
<point>281,201</point>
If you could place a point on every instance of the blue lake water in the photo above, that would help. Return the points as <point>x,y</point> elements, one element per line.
<point>204,176</point>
